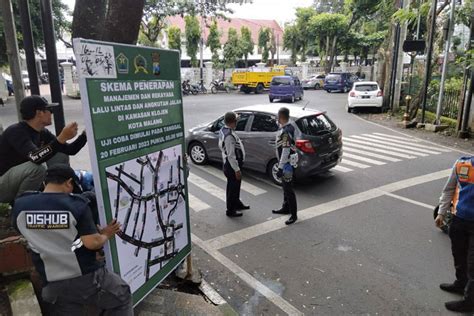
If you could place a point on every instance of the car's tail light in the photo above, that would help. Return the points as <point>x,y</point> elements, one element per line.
<point>305,146</point>
<point>352,94</point>
<point>380,93</point>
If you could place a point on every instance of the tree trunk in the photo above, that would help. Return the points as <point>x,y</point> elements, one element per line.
<point>88,19</point>
<point>123,20</point>
<point>331,58</point>
<point>328,40</point>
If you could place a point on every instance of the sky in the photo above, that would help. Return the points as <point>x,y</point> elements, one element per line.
<point>280,10</point>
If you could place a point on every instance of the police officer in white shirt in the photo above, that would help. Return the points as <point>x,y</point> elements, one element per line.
<point>233,156</point>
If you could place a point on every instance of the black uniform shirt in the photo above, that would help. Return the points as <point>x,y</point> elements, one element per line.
<point>53,223</point>
<point>20,143</point>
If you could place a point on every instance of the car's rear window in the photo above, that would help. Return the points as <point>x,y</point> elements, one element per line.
<point>333,77</point>
<point>315,125</point>
<point>280,81</point>
<point>366,87</point>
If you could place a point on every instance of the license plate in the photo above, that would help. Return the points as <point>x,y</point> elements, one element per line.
<point>366,97</point>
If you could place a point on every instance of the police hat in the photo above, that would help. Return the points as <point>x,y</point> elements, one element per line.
<point>62,172</point>
<point>33,103</point>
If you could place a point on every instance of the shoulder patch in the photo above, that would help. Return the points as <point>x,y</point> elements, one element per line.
<point>47,220</point>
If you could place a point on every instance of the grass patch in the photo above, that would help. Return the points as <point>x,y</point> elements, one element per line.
<point>431,117</point>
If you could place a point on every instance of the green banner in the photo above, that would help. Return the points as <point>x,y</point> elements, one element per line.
<point>133,111</point>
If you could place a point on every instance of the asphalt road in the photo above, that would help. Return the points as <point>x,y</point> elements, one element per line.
<point>365,242</point>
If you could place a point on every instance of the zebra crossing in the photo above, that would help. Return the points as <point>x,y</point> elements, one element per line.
<point>368,150</point>
<point>360,152</point>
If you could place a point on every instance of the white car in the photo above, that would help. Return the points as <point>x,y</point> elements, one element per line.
<point>365,94</point>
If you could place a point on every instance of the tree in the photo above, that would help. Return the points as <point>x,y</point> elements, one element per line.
<point>263,39</point>
<point>328,6</point>
<point>174,38</point>
<point>272,47</point>
<point>193,36</point>
<point>214,42</point>
<point>232,49</point>
<point>292,42</point>
<point>61,26</point>
<point>303,17</point>
<point>327,28</point>
<point>156,12</point>
<point>247,43</point>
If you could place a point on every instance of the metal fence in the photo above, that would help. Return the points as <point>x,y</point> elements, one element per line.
<point>449,106</point>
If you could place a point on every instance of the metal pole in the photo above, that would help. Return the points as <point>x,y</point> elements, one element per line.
<point>12,52</point>
<point>201,48</point>
<point>52,59</point>
<point>464,132</point>
<point>29,45</point>
<point>445,63</point>
<point>394,66</point>
<point>428,61</point>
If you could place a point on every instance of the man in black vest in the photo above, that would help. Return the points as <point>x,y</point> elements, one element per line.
<point>233,156</point>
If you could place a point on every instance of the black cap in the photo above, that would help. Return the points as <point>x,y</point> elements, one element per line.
<point>63,172</point>
<point>33,103</point>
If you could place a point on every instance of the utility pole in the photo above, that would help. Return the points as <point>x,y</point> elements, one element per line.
<point>28,45</point>
<point>400,63</point>
<point>428,60</point>
<point>12,52</point>
<point>445,63</point>
<point>201,45</point>
<point>53,67</point>
<point>393,76</point>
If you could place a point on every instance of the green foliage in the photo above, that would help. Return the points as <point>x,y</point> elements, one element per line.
<point>61,26</point>
<point>214,42</point>
<point>292,42</point>
<point>246,43</point>
<point>329,6</point>
<point>464,13</point>
<point>303,18</point>
<point>193,36</point>
<point>232,49</point>
<point>263,45</point>
<point>174,38</point>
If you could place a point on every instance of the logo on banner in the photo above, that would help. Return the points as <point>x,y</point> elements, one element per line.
<point>122,64</point>
<point>140,64</point>
<point>155,57</point>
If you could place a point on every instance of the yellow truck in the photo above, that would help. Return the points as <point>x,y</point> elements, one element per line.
<point>257,79</point>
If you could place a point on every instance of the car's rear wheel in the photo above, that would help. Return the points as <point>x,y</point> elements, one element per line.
<point>301,97</point>
<point>198,154</point>
<point>345,90</point>
<point>259,88</point>
<point>317,86</point>
<point>271,99</point>
<point>328,91</point>
<point>292,100</point>
<point>272,170</point>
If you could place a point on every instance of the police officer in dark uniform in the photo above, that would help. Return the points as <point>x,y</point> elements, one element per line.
<point>63,237</point>
<point>287,157</point>
<point>458,197</point>
<point>233,156</point>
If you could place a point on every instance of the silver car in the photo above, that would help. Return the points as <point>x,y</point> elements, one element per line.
<point>314,82</point>
<point>318,140</point>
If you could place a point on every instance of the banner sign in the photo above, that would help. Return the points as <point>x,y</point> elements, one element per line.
<point>132,103</point>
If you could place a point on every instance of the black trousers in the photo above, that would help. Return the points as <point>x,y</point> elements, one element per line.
<point>233,188</point>
<point>289,197</point>
<point>461,233</point>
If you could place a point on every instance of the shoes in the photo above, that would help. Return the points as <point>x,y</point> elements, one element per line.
<point>233,214</point>
<point>242,206</point>
<point>280,211</point>
<point>452,288</point>
<point>462,306</point>
<point>291,220</point>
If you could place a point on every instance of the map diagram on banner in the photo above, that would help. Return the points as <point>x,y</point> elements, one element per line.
<point>148,197</point>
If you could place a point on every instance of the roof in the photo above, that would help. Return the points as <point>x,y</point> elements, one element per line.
<point>271,108</point>
<point>236,23</point>
<point>358,83</point>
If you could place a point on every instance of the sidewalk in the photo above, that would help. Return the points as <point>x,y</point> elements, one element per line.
<point>442,138</point>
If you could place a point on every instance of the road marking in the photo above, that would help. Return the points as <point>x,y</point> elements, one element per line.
<point>342,169</point>
<point>397,137</point>
<point>207,186</point>
<point>366,153</point>
<point>254,231</point>
<point>368,160</point>
<point>463,152</point>
<point>374,144</point>
<point>402,198</point>
<point>411,143</point>
<point>196,204</point>
<point>377,150</point>
<point>247,278</point>
<point>250,188</point>
<point>354,164</point>
<point>396,146</point>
